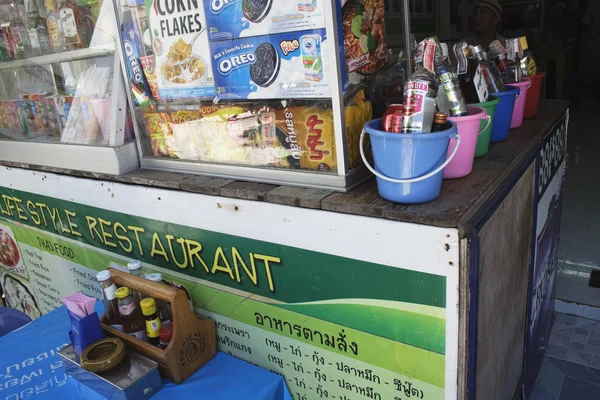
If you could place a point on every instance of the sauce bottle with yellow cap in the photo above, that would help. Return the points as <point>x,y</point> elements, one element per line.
<point>153,323</point>
<point>131,316</point>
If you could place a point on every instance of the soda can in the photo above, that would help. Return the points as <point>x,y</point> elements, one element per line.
<point>386,120</point>
<point>396,122</point>
<point>311,57</point>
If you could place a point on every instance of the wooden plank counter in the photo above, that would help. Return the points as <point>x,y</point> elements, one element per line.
<point>459,201</point>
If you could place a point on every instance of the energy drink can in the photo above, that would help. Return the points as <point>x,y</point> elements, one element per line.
<point>311,57</point>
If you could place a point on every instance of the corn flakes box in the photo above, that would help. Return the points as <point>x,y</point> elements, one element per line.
<point>180,45</point>
<point>232,19</point>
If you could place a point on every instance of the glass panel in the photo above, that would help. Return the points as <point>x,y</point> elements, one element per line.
<point>217,88</point>
<point>56,71</point>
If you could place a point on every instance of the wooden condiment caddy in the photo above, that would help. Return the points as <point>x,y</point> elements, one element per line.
<point>194,339</point>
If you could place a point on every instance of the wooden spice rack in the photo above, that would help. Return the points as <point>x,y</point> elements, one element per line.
<point>194,339</point>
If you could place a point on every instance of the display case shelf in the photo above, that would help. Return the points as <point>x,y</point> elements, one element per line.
<point>73,55</point>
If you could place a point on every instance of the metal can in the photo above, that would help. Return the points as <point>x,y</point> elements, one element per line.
<point>386,120</point>
<point>396,122</point>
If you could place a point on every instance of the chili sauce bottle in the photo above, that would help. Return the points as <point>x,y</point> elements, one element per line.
<point>111,304</point>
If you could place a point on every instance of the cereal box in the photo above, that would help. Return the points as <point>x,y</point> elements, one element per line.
<point>231,19</point>
<point>281,66</point>
<point>180,45</point>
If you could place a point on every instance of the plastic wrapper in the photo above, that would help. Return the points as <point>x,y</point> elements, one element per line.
<point>363,22</point>
<point>140,88</point>
<point>291,136</point>
<point>356,114</point>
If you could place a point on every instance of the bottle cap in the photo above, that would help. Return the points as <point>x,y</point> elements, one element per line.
<point>157,277</point>
<point>133,265</point>
<point>165,333</point>
<point>439,118</point>
<point>148,306</point>
<point>103,275</point>
<point>122,292</point>
<point>477,49</point>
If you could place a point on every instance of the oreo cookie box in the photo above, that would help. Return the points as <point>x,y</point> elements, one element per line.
<point>286,65</point>
<point>231,19</point>
<point>180,45</point>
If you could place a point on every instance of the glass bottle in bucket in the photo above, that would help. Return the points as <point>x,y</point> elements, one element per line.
<point>489,70</point>
<point>471,80</point>
<point>111,304</point>
<point>514,61</point>
<point>450,99</point>
<point>420,92</point>
<point>134,323</point>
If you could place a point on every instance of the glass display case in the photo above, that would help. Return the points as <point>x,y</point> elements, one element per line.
<point>245,90</point>
<point>62,95</point>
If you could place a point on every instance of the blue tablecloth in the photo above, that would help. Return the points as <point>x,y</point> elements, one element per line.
<point>31,366</point>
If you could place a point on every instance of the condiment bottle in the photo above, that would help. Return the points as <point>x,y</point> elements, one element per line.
<point>489,70</point>
<point>164,308</point>
<point>135,269</point>
<point>164,335</point>
<point>111,304</point>
<point>153,324</point>
<point>439,122</point>
<point>133,320</point>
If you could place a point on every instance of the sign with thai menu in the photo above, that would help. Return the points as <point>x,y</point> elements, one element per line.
<point>334,321</point>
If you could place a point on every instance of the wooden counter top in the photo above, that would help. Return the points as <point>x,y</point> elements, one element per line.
<point>459,202</point>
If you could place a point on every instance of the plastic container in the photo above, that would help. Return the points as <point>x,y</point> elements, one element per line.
<point>533,95</point>
<point>408,167</point>
<point>517,118</point>
<point>483,143</point>
<point>504,113</point>
<point>469,129</point>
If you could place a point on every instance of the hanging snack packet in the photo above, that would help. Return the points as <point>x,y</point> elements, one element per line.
<point>140,89</point>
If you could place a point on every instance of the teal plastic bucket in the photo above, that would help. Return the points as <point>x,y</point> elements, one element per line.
<point>409,167</point>
<point>504,113</point>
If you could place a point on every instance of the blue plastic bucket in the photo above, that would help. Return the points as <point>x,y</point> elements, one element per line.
<point>408,167</point>
<point>504,113</point>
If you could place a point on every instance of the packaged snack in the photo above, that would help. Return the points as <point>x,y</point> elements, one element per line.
<point>53,126</point>
<point>286,65</point>
<point>356,114</point>
<point>245,18</point>
<point>149,66</point>
<point>365,46</point>
<point>142,29</point>
<point>24,112</point>
<point>180,45</point>
<point>37,125</point>
<point>310,132</point>
<point>158,127</point>
<point>139,86</point>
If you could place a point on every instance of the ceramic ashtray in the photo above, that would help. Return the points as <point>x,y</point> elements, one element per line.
<point>103,355</point>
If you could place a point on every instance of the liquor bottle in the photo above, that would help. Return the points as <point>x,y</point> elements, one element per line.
<point>514,60</point>
<point>528,64</point>
<point>469,73</point>
<point>85,25</point>
<point>450,97</point>
<point>69,15</point>
<point>18,32</point>
<point>36,29</point>
<point>489,70</point>
<point>439,122</point>
<point>497,53</point>
<point>57,41</point>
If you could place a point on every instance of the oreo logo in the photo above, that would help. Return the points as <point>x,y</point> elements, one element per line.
<point>132,59</point>
<point>229,65</point>
<point>217,6</point>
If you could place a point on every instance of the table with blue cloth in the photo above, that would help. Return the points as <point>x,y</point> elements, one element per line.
<point>30,366</point>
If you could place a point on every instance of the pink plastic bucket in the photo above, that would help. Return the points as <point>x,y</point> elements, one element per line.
<point>468,129</point>
<point>519,110</point>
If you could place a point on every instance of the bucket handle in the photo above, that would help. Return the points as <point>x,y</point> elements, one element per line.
<point>489,121</point>
<point>412,180</point>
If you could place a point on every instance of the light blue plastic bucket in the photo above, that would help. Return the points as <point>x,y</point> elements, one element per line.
<point>409,167</point>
